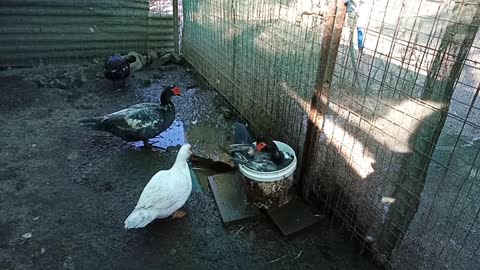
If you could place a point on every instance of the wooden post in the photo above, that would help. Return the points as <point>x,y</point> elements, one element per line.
<point>334,21</point>
<point>176,25</point>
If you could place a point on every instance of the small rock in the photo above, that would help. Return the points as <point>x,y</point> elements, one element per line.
<point>176,58</point>
<point>72,156</point>
<point>39,80</point>
<point>168,67</point>
<point>164,59</point>
<point>95,61</point>
<point>83,79</point>
<point>42,251</point>
<point>157,76</point>
<point>34,145</point>
<point>68,263</point>
<point>35,218</point>
<point>59,84</point>
<point>152,55</point>
<point>146,83</point>
<point>226,112</point>
<point>139,62</point>
<point>107,187</point>
<point>27,235</point>
<point>99,75</point>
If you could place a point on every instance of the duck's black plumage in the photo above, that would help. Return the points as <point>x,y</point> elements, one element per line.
<point>267,145</point>
<point>117,67</point>
<point>264,156</point>
<point>139,122</point>
<point>241,134</point>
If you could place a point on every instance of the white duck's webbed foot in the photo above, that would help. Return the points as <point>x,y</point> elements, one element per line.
<point>147,145</point>
<point>178,214</point>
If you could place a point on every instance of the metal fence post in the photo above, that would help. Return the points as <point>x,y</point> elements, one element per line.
<point>175,26</point>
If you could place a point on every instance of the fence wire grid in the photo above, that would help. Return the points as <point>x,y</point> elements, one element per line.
<point>396,161</point>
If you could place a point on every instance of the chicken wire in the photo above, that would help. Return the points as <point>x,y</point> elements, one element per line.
<point>397,158</point>
<point>396,161</point>
<point>256,54</point>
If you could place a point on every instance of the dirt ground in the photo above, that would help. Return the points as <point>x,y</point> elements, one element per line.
<point>66,190</point>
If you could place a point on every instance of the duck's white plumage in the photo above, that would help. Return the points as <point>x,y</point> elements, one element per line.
<point>164,194</point>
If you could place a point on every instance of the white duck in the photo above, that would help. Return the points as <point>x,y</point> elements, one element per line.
<point>164,194</point>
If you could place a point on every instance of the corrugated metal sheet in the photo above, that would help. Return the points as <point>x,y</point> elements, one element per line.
<point>60,31</point>
<point>161,36</point>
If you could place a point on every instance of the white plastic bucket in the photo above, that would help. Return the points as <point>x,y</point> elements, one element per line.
<point>275,175</point>
<point>270,189</point>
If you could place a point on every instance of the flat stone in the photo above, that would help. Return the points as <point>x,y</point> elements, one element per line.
<point>168,67</point>
<point>176,58</point>
<point>164,59</point>
<point>228,190</point>
<point>213,166</point>
<point>293,217</point>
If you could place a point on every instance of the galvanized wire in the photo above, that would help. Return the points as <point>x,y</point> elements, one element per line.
<point>382,166</point>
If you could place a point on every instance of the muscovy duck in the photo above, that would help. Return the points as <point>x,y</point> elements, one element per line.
<point>241,135</point>
<point>139,122</point>
<point>165,193</point>
<point>264,156</point>
<point>117,68</point>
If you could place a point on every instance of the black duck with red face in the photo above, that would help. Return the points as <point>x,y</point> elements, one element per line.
<point>139,122</point>
<point>264,156</point>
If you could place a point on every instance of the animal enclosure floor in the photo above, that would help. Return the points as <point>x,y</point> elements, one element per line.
<point>66,190</point>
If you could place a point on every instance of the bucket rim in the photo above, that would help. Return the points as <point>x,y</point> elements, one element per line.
<point>275,175</point>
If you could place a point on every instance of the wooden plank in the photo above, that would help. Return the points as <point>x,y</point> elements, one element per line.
<point>294,217</point>
<point>228,190</point>
<point>334,22</point>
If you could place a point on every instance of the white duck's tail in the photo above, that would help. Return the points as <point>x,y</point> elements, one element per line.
<point>138,219</point>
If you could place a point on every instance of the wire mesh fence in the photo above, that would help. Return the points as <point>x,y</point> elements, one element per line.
<point>396,160</point>
<point>260,59</point>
